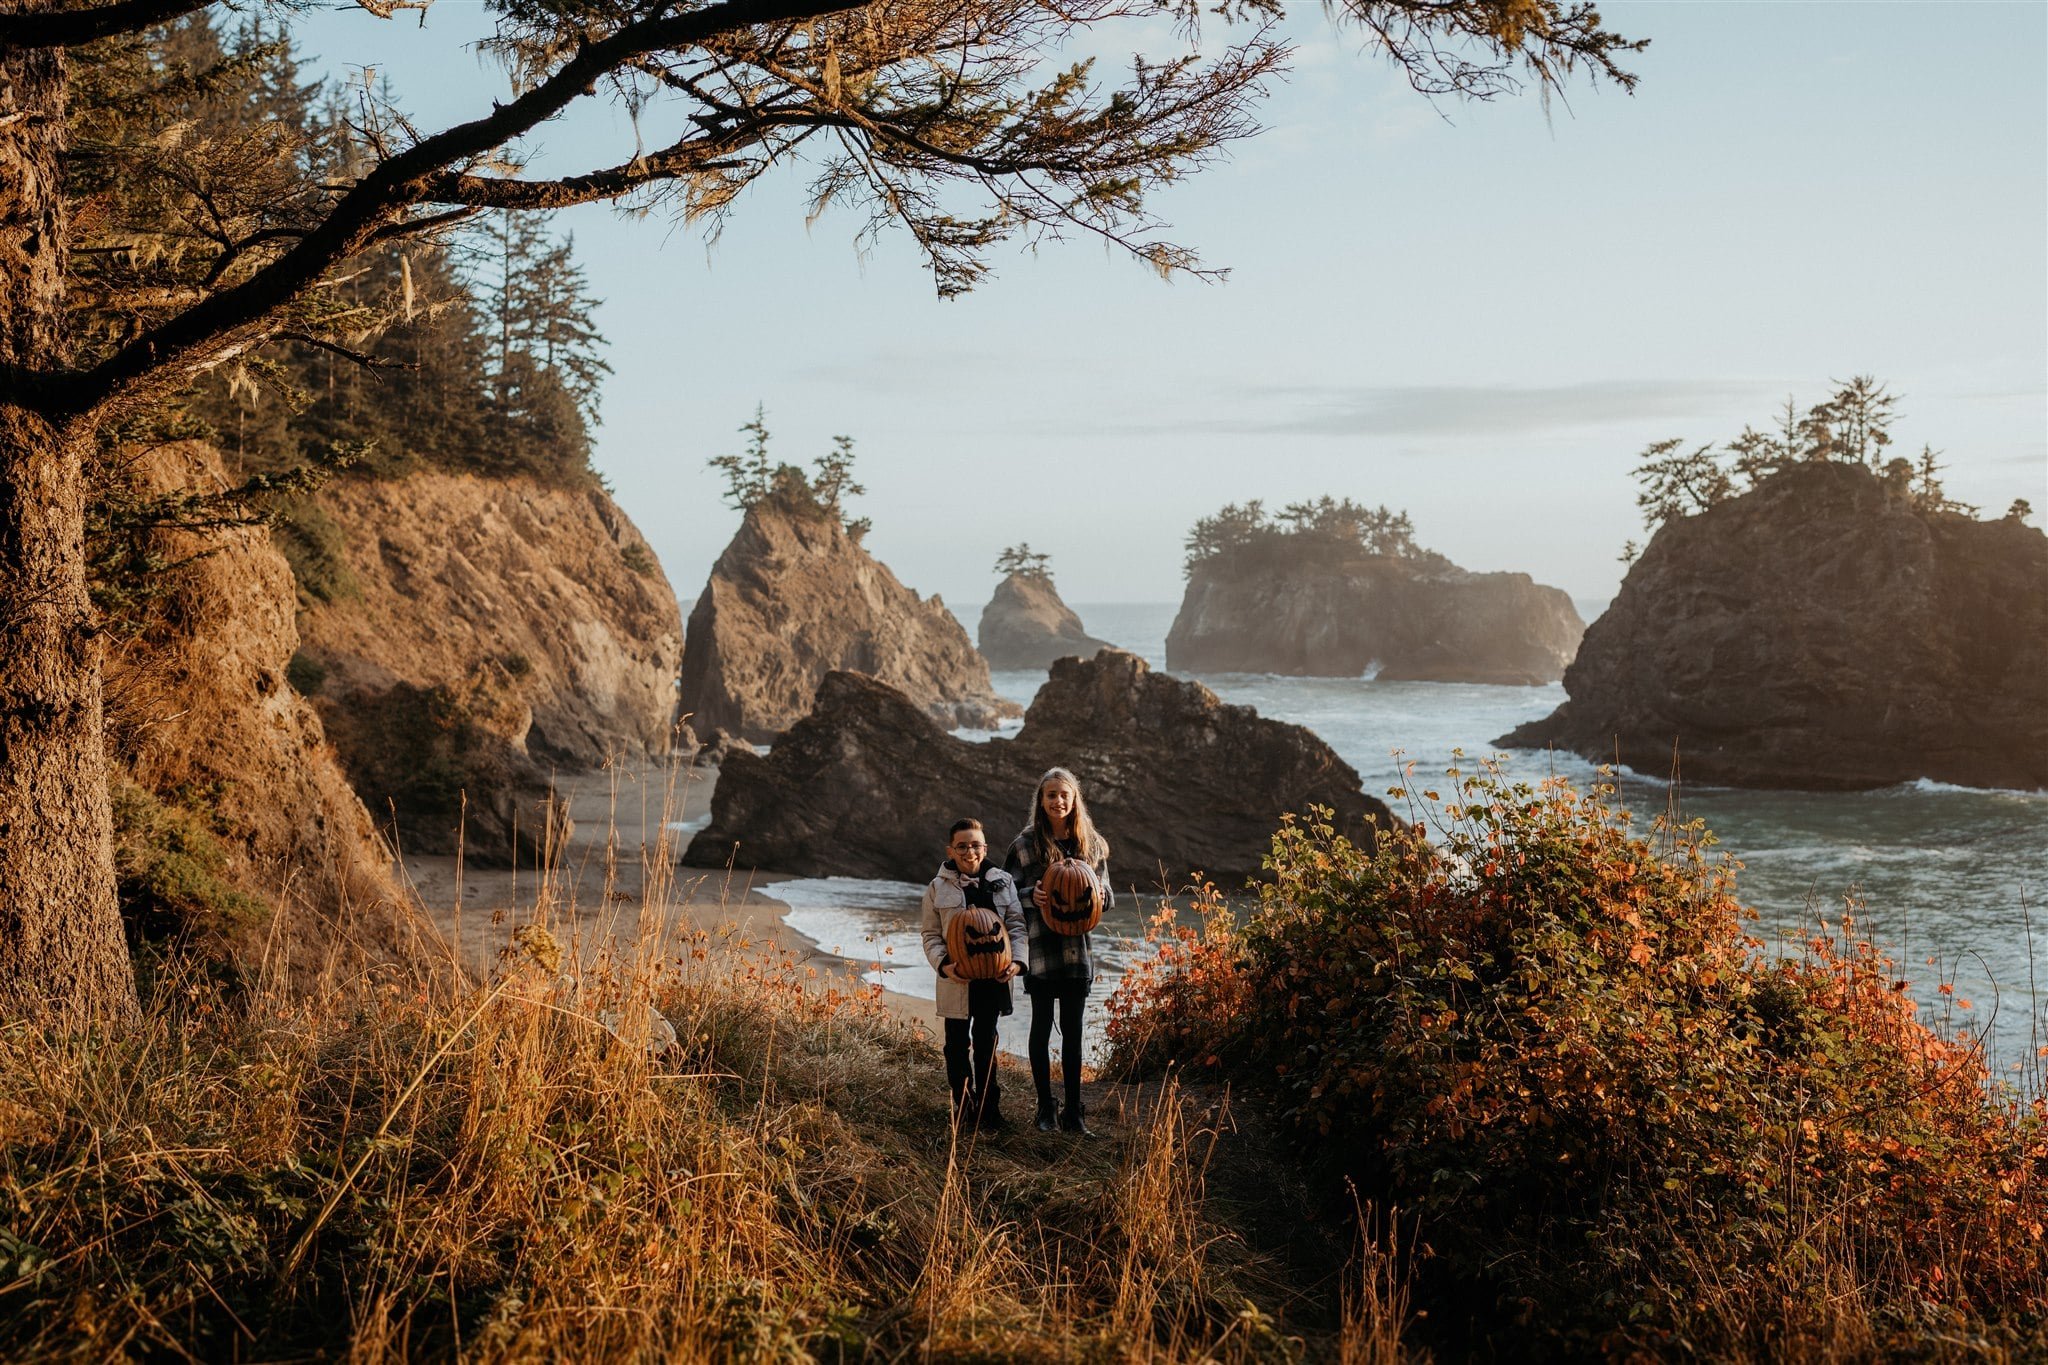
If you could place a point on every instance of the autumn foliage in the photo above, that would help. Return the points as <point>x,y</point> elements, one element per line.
<point>692,1149</point>
<point>1552,1040</point>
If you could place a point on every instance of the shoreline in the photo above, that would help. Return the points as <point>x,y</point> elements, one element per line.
<point>620,858</point>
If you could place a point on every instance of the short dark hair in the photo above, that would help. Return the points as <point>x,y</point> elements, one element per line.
<point>959,825</point>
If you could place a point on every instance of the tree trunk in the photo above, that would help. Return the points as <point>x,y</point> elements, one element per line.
<point>62,958</point>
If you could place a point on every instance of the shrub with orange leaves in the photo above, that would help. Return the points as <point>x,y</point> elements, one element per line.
<point>1553,1040</point>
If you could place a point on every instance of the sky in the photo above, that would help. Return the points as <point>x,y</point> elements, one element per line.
<point>1480,313</point>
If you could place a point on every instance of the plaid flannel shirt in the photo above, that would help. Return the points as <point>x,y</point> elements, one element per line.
<point>1055,959</point>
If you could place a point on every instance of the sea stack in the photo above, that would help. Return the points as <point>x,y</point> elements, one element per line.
<point>794,597</point>
<point>1341,611</point>
<point>1179,781</point>
<point>1820,631</point>
<point>1026,625</point>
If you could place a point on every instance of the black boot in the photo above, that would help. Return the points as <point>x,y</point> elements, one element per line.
<point>1048,1117</point>
<point>988,1115</point>
<point>1074,1119</point>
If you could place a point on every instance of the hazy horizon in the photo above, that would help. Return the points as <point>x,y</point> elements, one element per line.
<point>1479,313</point>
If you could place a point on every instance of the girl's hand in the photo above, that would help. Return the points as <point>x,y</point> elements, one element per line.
<point>946,973</point>
<point>1038,896</point>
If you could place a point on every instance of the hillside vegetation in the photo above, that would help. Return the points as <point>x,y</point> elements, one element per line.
<point>1614,1122</point>
<point>473,351</point>
<point>409,1165</point>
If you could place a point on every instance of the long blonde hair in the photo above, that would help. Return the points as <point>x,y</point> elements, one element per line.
<point>1094,848</point>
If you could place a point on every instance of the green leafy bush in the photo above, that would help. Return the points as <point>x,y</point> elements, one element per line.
<point>639,558</point>
<point>314,544</point>
<point>172,870</point>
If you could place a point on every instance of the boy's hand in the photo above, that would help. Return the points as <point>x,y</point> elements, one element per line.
<point>947,972</point>
<point>1013,970</point>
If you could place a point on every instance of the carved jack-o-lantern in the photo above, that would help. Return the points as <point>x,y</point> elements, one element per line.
<point>1073,897</point>
<point>977,945</point>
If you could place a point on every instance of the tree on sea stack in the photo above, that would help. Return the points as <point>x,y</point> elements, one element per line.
<point>951,119</point>
<point>1852,426</point>
<point>1021,561</point>
<point>752,479</point>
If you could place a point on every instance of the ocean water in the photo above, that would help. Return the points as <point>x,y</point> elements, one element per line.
<point>1949,879</point>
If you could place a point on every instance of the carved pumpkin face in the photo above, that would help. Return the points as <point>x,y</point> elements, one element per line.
<point>1073,897</point>
<point>977,945</point>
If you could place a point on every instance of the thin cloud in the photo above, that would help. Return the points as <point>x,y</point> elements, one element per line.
<point>1466,409</point>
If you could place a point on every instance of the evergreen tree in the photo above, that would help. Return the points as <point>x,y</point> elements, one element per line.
<point>1928,493</point>
<point>752,478</point>
<point>562,336</point>
<point>1758,454</point>
<point>1852,425</point>
<point>833,480</point>
<point>541,425</point>
<point>539,304</point>
<point>393,360</point>
<point>1020,560</point>
<point>1327,525</point>
<point>750,475</point>
<point>1678,482</point>
<point>508,246</point>
<point>442,409</point>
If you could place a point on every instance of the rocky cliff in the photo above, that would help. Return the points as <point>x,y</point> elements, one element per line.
<point>474,633</point>
<point>1178,781</point>
<point>1818,633</point>
<point>1026,625</point>
<point>794,597</point>
<point>1340,614</point>
<point>234,822</point>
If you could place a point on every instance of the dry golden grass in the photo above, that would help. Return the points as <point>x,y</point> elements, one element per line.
<point>413,1163</point>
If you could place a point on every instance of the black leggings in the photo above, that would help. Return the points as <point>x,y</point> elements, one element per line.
<point>984,1037</point>
<point>1069,1001</point>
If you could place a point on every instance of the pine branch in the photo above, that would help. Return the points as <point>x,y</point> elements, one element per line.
<point>169,356</point>
<point>687,157</point>
<point>75,27</point>
<point>348,353</point>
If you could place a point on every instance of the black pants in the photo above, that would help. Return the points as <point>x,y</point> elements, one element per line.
<point>981,1023</point>
<point>1067,999</point>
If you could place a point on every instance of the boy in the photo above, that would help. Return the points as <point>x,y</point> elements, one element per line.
<point>971,1008</point>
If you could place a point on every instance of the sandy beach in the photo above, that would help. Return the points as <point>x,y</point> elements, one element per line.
<point>614,877</point>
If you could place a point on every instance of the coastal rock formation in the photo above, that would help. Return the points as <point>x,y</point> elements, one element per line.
<point>471,634</point>
<point>1026,625</point>
<point>1817,632</point>
<point>1180,782</point>
<point>793,597</point>
<point>222,758</point>
<point>450,572</point>
<point>1340,615</point>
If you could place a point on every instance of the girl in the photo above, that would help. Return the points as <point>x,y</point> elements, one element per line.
<point>1062,966</point>
<point>970,1008</point>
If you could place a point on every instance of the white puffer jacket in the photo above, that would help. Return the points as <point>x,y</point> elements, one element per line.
<point>945,898</point>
